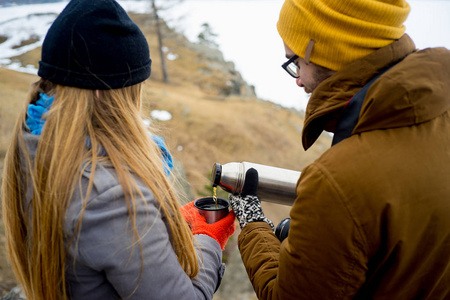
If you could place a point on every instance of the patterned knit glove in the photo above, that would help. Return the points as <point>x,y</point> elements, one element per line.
<point>247,206</point>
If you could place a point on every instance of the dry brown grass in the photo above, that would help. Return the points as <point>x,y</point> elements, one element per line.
<point>14,87</point>
<point>229,129</point>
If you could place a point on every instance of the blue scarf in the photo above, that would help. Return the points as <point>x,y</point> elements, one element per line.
<point>36,120</point>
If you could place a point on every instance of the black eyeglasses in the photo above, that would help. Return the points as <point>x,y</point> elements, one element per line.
<point>291,67</point>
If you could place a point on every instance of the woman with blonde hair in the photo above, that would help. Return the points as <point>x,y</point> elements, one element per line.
<point>87,197</point>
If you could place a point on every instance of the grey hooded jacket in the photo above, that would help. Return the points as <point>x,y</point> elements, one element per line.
<point>104,260</point>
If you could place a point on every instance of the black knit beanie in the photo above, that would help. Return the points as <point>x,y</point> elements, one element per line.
<point>93,44</point>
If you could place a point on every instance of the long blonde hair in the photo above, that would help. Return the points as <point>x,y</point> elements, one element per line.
<point>112,120</point>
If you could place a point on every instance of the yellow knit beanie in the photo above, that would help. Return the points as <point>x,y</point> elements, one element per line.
<point>341,30</point>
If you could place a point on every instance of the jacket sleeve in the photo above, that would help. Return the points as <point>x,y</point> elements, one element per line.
<point>323,256</point>
<point>151,270</point>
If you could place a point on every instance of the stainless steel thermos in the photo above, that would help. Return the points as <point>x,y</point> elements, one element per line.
<point>275,185</point>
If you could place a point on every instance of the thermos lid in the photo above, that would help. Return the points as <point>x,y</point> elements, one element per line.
<point>216,174</point>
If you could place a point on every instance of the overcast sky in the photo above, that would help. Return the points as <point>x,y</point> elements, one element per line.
<point>248,37</point>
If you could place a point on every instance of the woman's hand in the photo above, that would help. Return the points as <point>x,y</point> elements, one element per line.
<point>220,230</point>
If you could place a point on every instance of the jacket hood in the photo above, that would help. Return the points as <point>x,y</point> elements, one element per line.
<point>417,90</point>
<point>411,92</point>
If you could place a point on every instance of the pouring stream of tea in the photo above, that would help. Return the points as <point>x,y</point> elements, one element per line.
<point>215,195</point>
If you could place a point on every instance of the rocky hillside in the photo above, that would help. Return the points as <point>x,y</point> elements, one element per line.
<point>215,117</point>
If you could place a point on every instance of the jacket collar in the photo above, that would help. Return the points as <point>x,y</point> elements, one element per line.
<point>330,97</point>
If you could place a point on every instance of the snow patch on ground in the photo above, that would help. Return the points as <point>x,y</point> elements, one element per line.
<point>161,115</point>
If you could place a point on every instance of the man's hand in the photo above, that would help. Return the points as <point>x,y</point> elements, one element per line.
<point>247,206</point>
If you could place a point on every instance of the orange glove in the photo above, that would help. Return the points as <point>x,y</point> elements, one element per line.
<point>220,230</point>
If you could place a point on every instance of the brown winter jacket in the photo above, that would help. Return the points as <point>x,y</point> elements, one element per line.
<point>372,215</point>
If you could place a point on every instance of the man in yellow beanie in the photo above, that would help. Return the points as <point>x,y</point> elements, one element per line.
<point>372,214</point>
